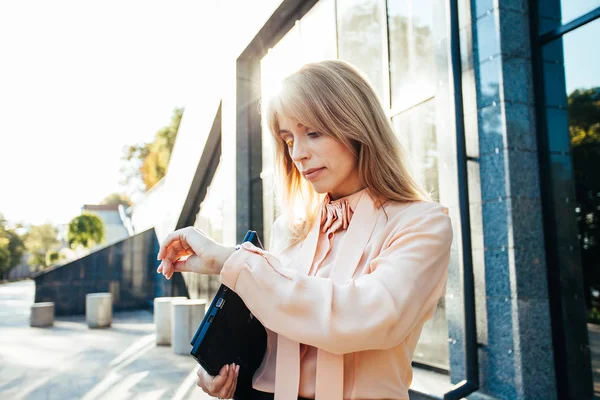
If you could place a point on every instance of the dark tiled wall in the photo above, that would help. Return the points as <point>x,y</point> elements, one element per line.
<point>126,269</point>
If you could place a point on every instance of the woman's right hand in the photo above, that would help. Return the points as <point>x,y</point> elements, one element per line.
<point>221,386</point>
<point>189,249</point>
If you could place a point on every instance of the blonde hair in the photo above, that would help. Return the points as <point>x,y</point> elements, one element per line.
<point>333,98</point>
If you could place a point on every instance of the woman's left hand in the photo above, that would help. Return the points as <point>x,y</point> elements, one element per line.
<point>189,249</point>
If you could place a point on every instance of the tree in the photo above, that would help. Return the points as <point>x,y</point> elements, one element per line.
<point>38,241</point>
<point>145,164</point>
<point>117,198</point>
<point>11,247</point>
<point>584,130</point>
<point>53,257</point>
<point>85,230</point>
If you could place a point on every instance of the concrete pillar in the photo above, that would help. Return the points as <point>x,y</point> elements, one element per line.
<point>98,310</point>
<point>42,314</point>
<point>186,317</point>
<point>162,319</point>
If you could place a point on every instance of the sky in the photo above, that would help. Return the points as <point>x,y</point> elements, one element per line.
<point>79,81</point>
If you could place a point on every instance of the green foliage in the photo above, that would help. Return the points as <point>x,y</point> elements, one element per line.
<point>53,257</point>
<point>38,241</point>
<point>117,198</point>
<point>584,131</point>
<point>11,247</point>
<point>147,163</point>
<point>584,116</point>
<point>594,315</point>
<point>85,230</point>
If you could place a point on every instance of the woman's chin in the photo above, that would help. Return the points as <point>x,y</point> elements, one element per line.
<point>321,189</point>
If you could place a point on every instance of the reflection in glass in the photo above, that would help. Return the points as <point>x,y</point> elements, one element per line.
<point>412,67</point>
<point>572,84</point>
<point>317,32</point>
<point>361,30</point>
<point>583,106</point>
<point>315,35</point>
<point>417,134</point>
<point>416,131</point>
<point>279,62</point>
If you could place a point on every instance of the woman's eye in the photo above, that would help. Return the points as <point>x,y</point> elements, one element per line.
<point>314,134</point>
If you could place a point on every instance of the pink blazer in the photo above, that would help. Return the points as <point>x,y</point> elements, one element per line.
<point>366,318</point>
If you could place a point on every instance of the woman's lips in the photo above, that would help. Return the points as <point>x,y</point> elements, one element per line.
<point>313,173</point>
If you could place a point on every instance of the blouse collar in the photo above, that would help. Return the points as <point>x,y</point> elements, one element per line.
<point>336,214</point>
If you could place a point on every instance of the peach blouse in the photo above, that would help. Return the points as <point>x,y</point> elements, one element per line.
<point>349,302</point>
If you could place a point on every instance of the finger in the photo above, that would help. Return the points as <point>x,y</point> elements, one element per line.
<point>227,384</point>
<point>232,388</point>
<point>183,265</point>
<point>166,267</point>
<point>164,245</point>
<point>235,381</point>
<point>177,235</point>
<point>218,381</point>
<point>176,251</point>
<point>230,384</point>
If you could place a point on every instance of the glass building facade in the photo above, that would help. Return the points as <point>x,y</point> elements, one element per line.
<point>526,219</point>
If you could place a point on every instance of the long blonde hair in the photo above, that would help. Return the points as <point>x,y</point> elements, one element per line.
<point>334,98</point>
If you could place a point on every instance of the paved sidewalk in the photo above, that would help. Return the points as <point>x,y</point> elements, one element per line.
<point>70,361</point>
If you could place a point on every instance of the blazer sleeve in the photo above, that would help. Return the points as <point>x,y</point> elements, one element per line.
<point>374,311</point>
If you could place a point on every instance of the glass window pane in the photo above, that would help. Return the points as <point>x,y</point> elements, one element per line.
<point>315,35</point>
<point>412,64</point>
<point>317,32</point>
<point>279,62</point>
<point>572,9</point>
<point>417,133</point>
<point>361,30</point>
<point>554,13</point>
<point>416,130</point>
<point>572,87</point>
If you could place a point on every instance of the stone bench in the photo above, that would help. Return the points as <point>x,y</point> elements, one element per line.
<point>42,315</point>
<point>186,317</point>
<point>162,319</point>
<point>98,310</point>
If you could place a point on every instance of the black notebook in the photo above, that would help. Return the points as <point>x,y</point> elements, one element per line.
<point>229,333</point>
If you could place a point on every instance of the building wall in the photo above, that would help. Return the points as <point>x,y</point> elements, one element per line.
<point>126,269</point>
<point>514,331</point>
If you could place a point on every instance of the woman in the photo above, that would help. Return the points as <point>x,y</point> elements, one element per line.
<point>357,263</point>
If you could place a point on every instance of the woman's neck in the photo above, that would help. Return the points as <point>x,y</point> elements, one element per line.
<point>337,196</point>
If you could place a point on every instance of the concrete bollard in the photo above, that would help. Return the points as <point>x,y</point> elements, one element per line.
<point>42,314</point>
<point>162,319</point>
<point>98,310</point>
<point>186,317</point>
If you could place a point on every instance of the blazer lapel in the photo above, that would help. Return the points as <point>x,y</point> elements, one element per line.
<point>356,239</point>
<point>287,366</point>
<point>330,367</point>
<point>309,246</point>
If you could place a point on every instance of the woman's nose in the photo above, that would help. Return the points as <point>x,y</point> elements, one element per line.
<point>299,151</point>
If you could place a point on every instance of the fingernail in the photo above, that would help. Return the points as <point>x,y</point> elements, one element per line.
<point>227,369</point>
<point>237,370</point>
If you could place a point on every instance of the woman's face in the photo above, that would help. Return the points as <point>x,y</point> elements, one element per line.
<point>322,160</point>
